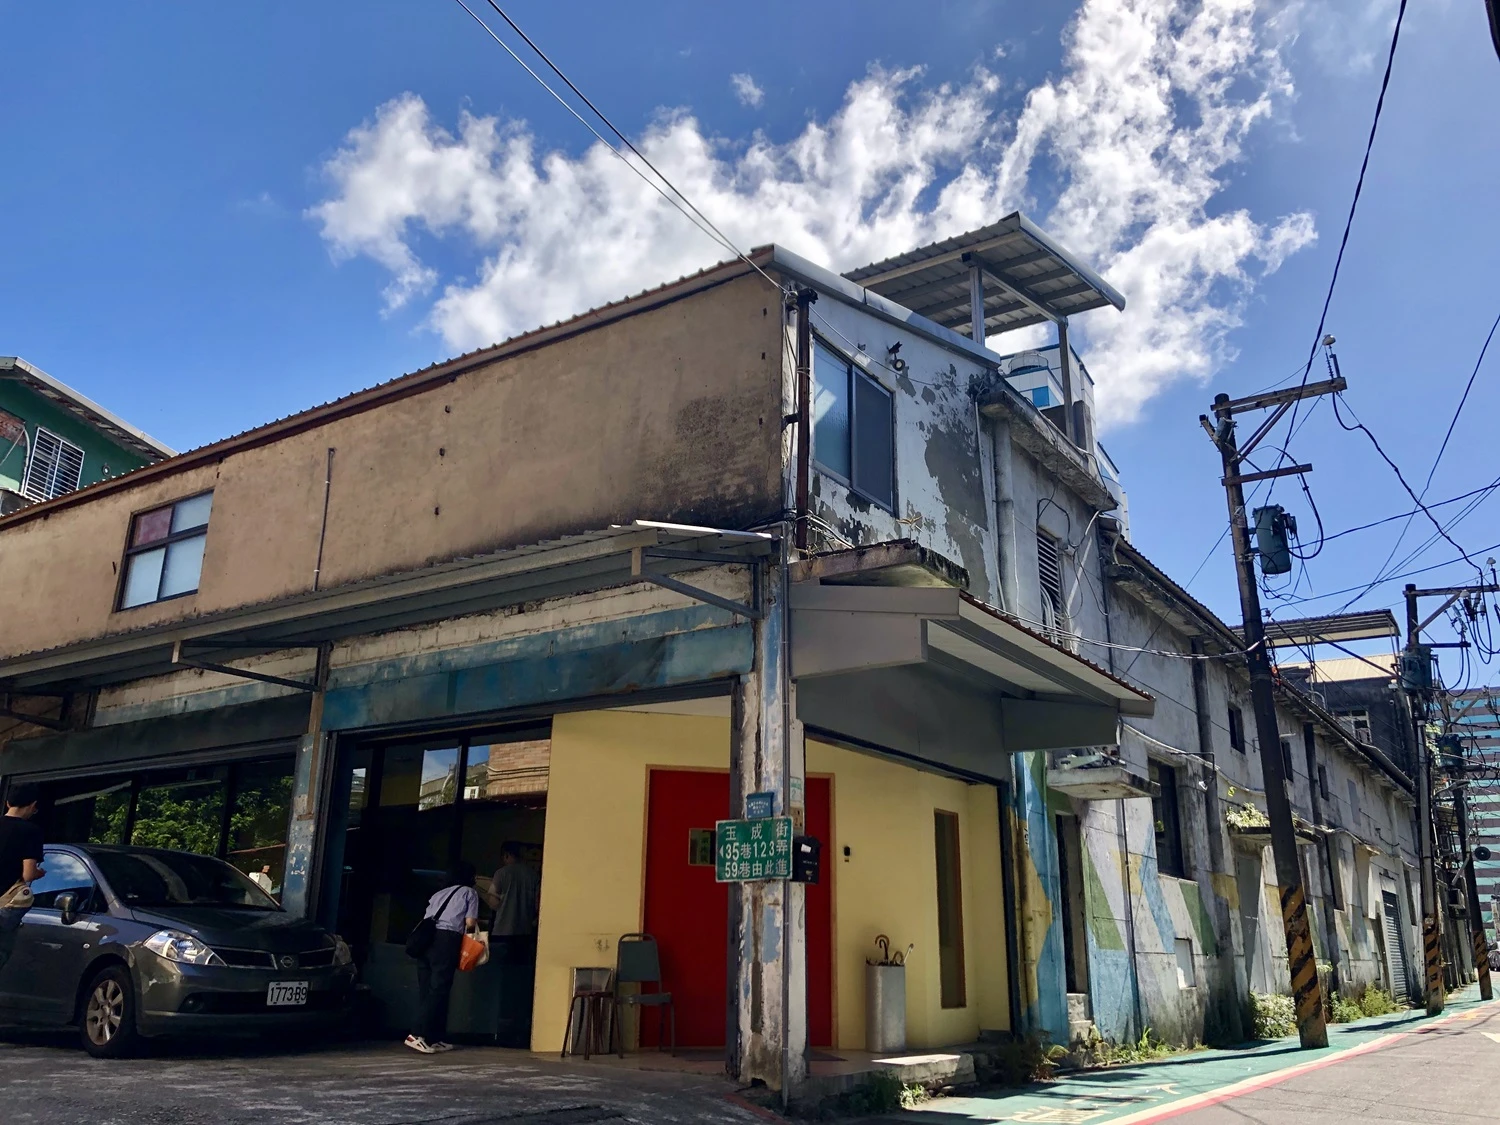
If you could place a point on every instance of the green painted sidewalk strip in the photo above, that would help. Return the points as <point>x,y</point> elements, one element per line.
<point>1096,1097</point>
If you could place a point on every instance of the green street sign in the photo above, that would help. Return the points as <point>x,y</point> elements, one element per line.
<point>753,849</point>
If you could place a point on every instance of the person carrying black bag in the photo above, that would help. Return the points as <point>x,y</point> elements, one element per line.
<point>436,944</point>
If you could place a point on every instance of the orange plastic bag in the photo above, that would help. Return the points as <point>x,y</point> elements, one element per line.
<point>475,952</point>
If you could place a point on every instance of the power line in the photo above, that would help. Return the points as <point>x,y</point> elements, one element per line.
<point>1467,388</point>
<point>1417,500</point>
<point>696,217</point>
<point>1494,484</point>
<point>722,237</point>
<point>1359,185</point>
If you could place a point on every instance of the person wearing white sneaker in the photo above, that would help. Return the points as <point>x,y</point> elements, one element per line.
<point>455,911</point>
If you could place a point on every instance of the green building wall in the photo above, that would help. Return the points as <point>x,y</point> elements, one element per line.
<point>102,457</point>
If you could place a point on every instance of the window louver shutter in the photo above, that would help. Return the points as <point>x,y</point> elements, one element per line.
<point>1049,568</point>
<point>56,466</point>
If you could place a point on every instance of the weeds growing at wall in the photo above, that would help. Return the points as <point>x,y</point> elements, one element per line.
<point>1018,1062</point>
<point>884,1093</point>
<point>1371,1001</point>
<point>1102,1052</point>
<point>1274,1015</point>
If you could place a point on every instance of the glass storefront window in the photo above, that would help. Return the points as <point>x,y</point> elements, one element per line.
<point>258,824</point>
<point>240,812</point>
<point>185,813</point>
<point>507,770</point>
<point>439,779</point>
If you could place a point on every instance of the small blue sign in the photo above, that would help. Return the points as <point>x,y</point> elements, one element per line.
<point>759,806</point>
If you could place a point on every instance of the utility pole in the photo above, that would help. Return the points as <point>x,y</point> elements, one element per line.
<point>1417,682</point>
<point>1306,990</point>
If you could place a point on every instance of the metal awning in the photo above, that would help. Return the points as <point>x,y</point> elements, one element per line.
<point>615,556</point>
<point>1027,278</point>
<point>937,675</point>
<point>1304,631</point>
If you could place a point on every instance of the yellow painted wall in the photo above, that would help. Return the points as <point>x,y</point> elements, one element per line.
<point>882,811</point>
<point>596,846</point>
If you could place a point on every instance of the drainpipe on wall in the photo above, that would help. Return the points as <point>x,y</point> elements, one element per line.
<point>1122,830</point>
<point>1005,518</point>
<point>1223,924</point>
<point>1330,922</point>
<point>805,298</point>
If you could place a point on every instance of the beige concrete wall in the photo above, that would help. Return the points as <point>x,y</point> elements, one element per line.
<point>672,413</point>
<point>882,811</point>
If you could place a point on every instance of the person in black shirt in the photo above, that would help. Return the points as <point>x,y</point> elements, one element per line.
<point>20,860</point>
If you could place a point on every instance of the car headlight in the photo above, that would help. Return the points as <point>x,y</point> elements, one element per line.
<point>174,945</point>
<point>341,954</point>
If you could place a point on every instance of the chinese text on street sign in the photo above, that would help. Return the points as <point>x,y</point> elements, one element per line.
<point>753,849</point>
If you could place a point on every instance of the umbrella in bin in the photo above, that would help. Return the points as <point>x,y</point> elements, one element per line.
<point>883,943</point>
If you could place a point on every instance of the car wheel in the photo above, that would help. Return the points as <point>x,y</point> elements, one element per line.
<point>108,1024</point>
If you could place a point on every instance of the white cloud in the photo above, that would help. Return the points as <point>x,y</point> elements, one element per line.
<point>747,89</point>
<point>1123,156</point>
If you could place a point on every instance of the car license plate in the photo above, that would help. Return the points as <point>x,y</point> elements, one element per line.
<point>286,994</point>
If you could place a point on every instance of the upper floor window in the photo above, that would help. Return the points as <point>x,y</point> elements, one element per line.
<point>1236,728</point>
<point>55,467</point>
<point>1356,722</point>
<point>164,556</point>
<point>854,427</point>
<point>1049,574</point>
<point>1166,813</point>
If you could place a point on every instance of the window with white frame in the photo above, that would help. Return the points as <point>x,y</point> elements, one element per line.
<point>1356,722</point>
<point>164,555</point>
<point>55,466</point>
<point>854,427</point>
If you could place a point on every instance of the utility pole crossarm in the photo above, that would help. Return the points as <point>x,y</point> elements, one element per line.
<point>1286,471</point>
<point>1276,398</point>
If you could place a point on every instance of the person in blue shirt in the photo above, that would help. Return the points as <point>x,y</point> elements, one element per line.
<point>456,910</point>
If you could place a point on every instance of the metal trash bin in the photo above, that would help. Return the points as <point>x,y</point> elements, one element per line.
<point>885,1008</point>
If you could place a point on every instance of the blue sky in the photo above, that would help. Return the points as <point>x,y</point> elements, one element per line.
<point>165,252</point>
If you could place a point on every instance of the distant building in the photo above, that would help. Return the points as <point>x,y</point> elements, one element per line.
<point>54,441</point>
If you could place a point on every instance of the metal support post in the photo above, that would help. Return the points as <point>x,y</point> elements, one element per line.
<point>976,304</point>
<point>1306,989</point>
<point>1065,359</point>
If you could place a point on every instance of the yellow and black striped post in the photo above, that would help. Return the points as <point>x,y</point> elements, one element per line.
<point>1303,964</point>
<point>1432,949</point>
<point>1482,962</point>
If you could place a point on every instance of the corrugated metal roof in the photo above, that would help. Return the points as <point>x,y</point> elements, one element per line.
<point>84,409</point>
<point>1029,278</point>
<point>1369,625</point>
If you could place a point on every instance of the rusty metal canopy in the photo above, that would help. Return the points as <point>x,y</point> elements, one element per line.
<point>592,560</point>
<point>1028,278</point>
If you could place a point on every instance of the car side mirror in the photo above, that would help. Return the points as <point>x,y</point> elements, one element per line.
<point>67,906</point>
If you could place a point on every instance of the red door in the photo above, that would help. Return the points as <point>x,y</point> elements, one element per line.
<point>687,911</point>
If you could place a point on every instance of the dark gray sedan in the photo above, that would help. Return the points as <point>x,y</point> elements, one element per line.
<point>126,942</point>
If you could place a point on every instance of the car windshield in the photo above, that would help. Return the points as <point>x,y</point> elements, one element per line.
<point>149,879</point>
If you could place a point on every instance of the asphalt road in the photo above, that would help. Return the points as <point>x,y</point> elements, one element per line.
<point>51,1082</point>
<point>1448,1074</point>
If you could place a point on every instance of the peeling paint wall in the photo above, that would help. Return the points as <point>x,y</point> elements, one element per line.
<point>941,493</point>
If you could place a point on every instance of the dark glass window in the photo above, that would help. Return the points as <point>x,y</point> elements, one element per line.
<point>854,427</point>
<point>1236,728</point>
<point>1164,810</point>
